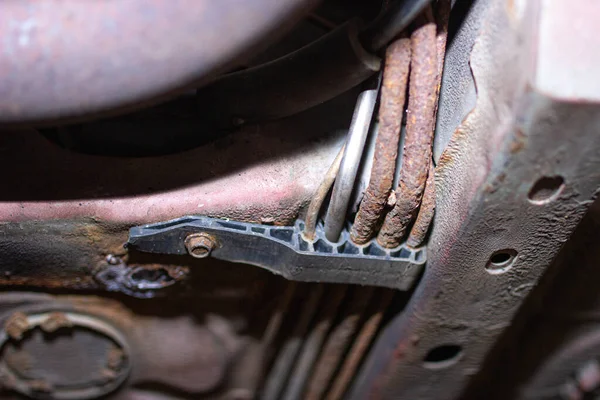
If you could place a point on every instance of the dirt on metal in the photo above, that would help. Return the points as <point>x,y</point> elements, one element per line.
<point>419,135</point>
<point>391,110</point>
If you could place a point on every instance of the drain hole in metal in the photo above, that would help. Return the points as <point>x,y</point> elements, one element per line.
<point>546,189</point>
<point>501,261</point>
<point>442,356</point>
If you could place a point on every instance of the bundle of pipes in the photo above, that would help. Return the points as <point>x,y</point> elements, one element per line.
<point>415,194</point>
<point>416,63</point>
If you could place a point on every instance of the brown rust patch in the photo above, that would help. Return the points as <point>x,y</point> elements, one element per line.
<point>391,109</point>
<point>16,325</point>
<point>518,142</point>
<point>115,358</point>
<point>419,135</point>
<point>105,239</point>
<point>55,321</point>
<point>426,211</point>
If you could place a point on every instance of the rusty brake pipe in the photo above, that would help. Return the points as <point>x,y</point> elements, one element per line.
<point>367,332</point>
<point>420,228</point>
<point>312,214</point>
<point>72,58</point>
<point>426,210</point>
<point>419,136</point>
<point>338,342</point>
<point>391,110</point>
<point>279,373</point>
<point>313,344</point>
<point>344,182</point>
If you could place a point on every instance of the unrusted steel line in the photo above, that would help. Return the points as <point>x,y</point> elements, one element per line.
<point>391,110</point>
<point>419,136</point>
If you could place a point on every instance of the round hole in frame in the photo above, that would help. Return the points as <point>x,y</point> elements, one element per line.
<point>546,189</point>
<point>443,356</point>
<point>501,261</point>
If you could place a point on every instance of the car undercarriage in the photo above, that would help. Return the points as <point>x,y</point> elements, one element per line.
<point>299,199</point>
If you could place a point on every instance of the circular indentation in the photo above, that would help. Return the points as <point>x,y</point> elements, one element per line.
<point>546,189</point>
<point>442,356</point>
<point>501,261</point>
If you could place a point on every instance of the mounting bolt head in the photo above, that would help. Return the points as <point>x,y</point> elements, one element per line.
<point>199,245</point>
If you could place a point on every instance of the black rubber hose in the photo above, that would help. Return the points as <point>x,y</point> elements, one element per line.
<point>391,23</point>
<point>296,82</point>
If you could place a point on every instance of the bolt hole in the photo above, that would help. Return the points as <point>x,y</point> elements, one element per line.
<point>199,251</point>
<point>442,356</point>
<point>150,275</point>
<point>501,261</point>
<point>546,189</point>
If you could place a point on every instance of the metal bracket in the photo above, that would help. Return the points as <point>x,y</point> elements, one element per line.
<point>284,251</point>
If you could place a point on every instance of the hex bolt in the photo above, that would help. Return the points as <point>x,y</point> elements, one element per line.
<point>199,245</point>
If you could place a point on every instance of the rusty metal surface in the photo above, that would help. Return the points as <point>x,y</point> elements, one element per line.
<point>391,111</point>
<point>337,344</point>
<point>421,225</point>
<point>419,230</point>
<point>312,214</point>
<point>359,348</point>
<point>515,136</point>
<point>416,155</point>
<point>71,58</point>
<point>313,343</point>
<point>275,168</point>
<point>168,344</point>
<point>289,350</point>
<point>441,12</point>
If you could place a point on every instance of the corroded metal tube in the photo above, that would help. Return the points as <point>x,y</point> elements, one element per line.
<point>391,110</point>
<point>425,216</point>
<point>419,136</point>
